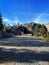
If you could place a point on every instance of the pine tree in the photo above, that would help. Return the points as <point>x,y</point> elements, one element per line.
<point>1,24</point>
<point>36,31</point>
<point>43,30</point>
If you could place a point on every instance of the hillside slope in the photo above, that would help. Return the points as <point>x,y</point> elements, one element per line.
<point>47,26</point>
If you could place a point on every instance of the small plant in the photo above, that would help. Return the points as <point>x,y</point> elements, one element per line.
<point>46,37</point>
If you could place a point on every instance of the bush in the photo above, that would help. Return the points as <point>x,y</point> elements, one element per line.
<point>32,34</point>
<point>36,31</point>
<point>46,37</point>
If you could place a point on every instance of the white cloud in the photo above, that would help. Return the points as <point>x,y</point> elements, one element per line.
<point>6,20</point>
<point>11,22</point>
<point>46,14</point>
<point>41,18</point>
<point>16,21</point>
<point>37,19</point>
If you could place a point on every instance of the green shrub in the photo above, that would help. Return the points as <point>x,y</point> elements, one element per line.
<point>47,39</point>
<point>36,31</point>
<point>45,35</point>
<point>43,30</point>
<point>32,34</point>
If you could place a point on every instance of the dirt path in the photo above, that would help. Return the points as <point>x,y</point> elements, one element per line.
<point>24,50</point>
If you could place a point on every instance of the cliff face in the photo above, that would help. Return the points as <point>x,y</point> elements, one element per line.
<point>29,26</point>
<point>47,26</point>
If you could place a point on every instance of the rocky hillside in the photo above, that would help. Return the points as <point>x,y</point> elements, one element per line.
<point>23,29</point>
<point>31,26</point>
<point>47,26</point>
<point>27,28</point>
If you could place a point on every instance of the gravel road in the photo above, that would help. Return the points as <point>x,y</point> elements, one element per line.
<point>24,50</point>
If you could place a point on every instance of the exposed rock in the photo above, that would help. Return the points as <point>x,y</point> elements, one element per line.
<point>47,26</point>
<point>5,35</point>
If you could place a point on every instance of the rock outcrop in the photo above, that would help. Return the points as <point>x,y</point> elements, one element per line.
<point>47,26</point>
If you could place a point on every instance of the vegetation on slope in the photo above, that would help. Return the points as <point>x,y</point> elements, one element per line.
<point>1,24</point>
<point>33,28</point>
<point>41,31</point>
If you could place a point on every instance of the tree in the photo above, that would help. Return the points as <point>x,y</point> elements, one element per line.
<point>5,27</point>
<point>1,24</point>
<point>46,38</point>
<point>37,30</point>
<point>43,30</point>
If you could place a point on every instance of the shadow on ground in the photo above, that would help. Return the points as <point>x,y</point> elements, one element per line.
<point>26,56</point>
<point>25,43</point>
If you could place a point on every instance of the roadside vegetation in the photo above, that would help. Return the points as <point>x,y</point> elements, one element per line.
<point>38,30</point>
<point>1,23</point>
<point>41,31</point>
<point>46,37</point>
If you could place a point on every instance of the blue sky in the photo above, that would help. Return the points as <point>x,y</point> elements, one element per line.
<point>24,11</point>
